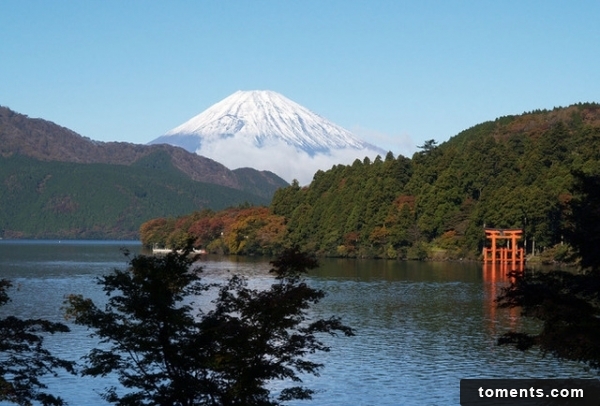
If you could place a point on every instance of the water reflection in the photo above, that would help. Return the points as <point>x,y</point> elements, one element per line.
<point>495,278</point>
<point>421,327</point>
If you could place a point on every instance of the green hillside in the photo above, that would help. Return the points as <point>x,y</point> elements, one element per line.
<point>512,172</point>
<point>515,171</point>
<point>40,199</point>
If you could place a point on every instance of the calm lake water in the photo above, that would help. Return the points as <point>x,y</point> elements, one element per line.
<point>420,327</point>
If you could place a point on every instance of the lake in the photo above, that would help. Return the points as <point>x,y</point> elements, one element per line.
<point>420,326</point>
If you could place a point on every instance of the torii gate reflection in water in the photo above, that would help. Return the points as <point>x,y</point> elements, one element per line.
<point>512,254</point>
<point>497,262</point>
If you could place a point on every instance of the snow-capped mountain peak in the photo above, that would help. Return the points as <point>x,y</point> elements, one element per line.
<point>259,119</point>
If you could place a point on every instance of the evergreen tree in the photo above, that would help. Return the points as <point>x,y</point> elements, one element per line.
<point>568,304</point>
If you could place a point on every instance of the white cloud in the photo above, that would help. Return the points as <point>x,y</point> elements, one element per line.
<point>400,144</point>
<point>278,157</point>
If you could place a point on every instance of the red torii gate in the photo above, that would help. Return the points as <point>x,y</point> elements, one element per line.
<point>505,255</point>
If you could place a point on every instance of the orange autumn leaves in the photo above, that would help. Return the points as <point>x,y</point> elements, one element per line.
<point>241,230</point>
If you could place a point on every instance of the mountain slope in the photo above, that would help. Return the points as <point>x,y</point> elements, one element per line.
<point>265,129</point>
<point>264,116</point>
<point>50,199</point>
<point>44,140</point>
<point>56,184</point>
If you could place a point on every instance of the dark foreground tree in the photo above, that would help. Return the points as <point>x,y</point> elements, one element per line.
<point>23,358</point>
<point>567,304</point>
<point>166,350</point>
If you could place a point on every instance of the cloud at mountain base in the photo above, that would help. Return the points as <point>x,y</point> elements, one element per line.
<point>399,144</point>
<point>279,157</point>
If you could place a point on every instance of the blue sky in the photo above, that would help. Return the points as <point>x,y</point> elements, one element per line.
<point>396,73</point>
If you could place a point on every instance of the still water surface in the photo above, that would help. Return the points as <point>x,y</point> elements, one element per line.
<point>420,327</point>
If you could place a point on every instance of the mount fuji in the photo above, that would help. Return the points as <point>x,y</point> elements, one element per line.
<point>263,129</point>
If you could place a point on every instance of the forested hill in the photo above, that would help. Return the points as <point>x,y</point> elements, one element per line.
<point>515,171</point>
<point>46,141</point>
<point>55,183</point>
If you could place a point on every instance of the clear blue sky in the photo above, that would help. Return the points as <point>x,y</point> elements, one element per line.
<point>394,72</point>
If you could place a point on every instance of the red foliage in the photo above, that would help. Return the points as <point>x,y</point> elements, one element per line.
<point>405,199</point>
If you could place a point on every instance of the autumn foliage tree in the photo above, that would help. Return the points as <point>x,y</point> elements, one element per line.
<point>239,230</point>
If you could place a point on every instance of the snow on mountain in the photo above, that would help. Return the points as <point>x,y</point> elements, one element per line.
<point>265,130</point>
